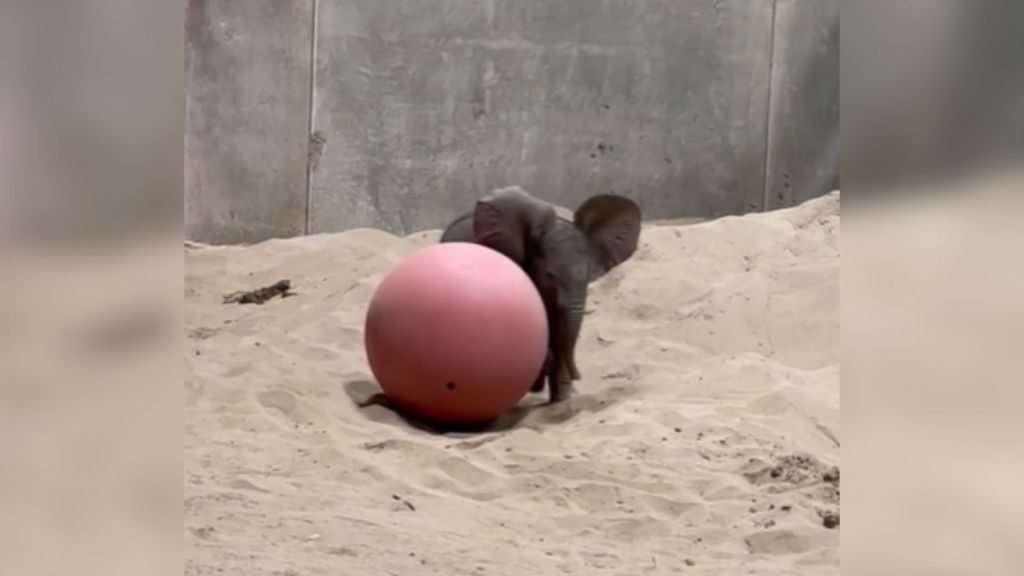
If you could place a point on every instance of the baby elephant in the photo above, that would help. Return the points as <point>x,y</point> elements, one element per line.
<point>561,257</point>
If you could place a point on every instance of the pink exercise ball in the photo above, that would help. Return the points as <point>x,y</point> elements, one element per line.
<point>456,333</point>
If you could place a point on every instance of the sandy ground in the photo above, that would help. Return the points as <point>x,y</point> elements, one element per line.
<point>704,438</point>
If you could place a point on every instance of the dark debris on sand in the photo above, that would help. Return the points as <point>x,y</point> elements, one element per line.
<point>280,288</point>
<point>829,518</point>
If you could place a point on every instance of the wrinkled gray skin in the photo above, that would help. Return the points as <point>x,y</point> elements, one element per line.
<point>562,258</point>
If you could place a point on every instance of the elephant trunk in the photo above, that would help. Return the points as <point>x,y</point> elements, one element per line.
<point>573,322</point>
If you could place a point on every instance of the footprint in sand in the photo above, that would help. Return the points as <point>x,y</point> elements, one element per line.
<point>634,529</point>
<point>673,509</point>
<point>194,391</point>
<point>777,542</point>
<point>595,497</point>
<point>282,401</point>
<point>243,484</point>
<point>464,472</point>
<point>202,333</point>
<point>600,559</point>
<point>236,370</point>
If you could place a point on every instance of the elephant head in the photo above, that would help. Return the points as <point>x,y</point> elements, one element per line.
<point>562,258</point>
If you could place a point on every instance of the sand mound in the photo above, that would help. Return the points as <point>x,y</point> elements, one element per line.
<point>704,437</point>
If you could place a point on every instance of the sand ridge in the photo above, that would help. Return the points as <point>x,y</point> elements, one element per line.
<point>703,439</point>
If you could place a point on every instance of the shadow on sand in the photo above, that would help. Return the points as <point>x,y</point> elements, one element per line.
<point>532,412</point>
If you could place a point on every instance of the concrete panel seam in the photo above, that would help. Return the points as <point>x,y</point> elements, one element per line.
<point>314,23</point>
<point>769,125</point>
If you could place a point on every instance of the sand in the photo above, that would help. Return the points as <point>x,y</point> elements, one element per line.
<point>703,438</point>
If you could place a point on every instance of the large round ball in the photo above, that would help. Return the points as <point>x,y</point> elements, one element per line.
<point>456,333</point>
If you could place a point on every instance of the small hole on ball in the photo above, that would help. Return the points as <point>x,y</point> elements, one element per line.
<point>450,385</point>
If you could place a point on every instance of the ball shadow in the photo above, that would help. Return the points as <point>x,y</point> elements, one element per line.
<point>371,401</point>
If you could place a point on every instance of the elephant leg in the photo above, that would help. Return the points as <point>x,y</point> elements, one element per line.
<point>538,384</point>
<point>560,390</point>
<point>559,381</point>
<point>574,372</point>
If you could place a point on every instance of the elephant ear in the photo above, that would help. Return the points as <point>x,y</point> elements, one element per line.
<point>509,219</point>
<point>612,225</point>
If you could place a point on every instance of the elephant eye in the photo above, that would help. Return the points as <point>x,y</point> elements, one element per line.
<point>546,281</point>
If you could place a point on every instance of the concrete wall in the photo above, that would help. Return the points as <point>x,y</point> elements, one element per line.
<point>421,106</point>
<point>247,78</point>
<point>803,143</point>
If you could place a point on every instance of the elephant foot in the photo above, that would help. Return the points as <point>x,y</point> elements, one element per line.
<point>561,392</point>
<point>574,372</point>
